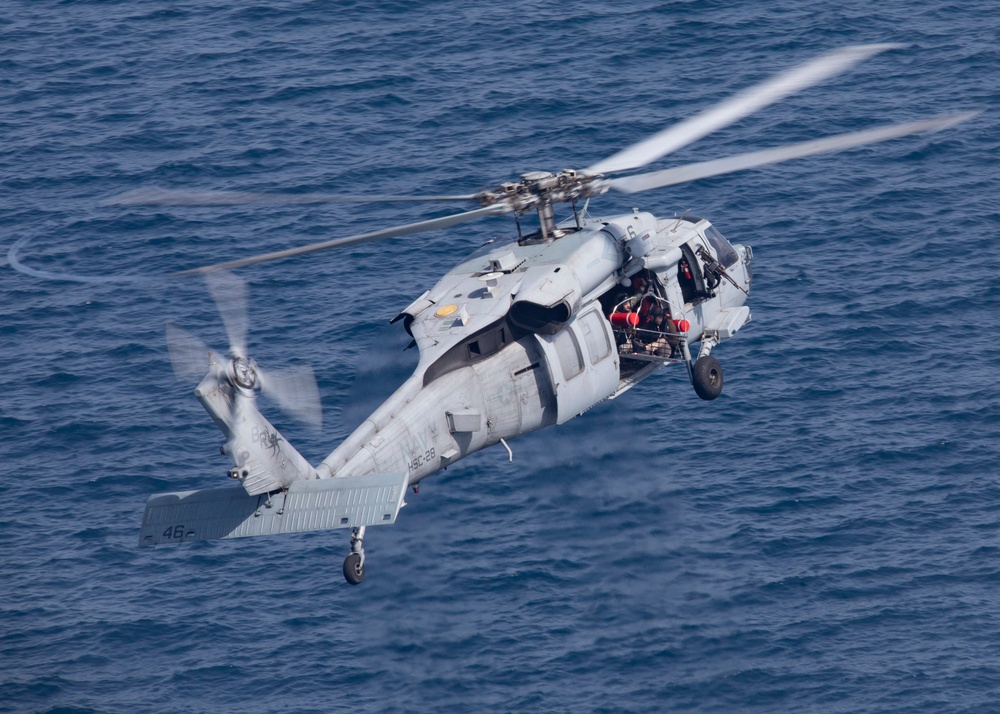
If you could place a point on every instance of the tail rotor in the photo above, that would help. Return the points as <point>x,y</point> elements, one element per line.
<point>293,388</point>
<point>262,459</point>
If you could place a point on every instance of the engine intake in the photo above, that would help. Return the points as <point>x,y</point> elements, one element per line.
<point>541,319</point>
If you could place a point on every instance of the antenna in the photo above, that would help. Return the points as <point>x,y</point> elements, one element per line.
<point>679,219</point>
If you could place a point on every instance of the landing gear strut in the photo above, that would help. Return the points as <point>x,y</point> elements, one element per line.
<point>354,564</point>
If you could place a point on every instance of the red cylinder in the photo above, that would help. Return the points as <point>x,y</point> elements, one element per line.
<point>624,319</point>
<point>682,325</point>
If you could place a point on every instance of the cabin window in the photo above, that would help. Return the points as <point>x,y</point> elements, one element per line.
<point>595,337</point>
<point>570,358</point>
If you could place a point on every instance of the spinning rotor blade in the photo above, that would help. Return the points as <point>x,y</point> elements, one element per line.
<point>172,197</point>
<point>295,391</point>
<point>230,295</point>
<point>407,229</point>
<point>189,356</point>
<point>294,388</point>
<point>704,169</point>
<point>737,107</point>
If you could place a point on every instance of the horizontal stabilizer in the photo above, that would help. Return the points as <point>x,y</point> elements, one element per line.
<point>313,505</point>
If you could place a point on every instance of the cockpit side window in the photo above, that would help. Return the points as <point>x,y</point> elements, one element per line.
<point>724,251</point>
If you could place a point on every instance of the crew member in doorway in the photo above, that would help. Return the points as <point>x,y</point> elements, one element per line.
<point>658,327</point>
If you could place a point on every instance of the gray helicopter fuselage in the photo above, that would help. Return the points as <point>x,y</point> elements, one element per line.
<point>516,338</point>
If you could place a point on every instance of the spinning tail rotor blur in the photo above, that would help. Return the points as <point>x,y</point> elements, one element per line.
<point>293,388</point>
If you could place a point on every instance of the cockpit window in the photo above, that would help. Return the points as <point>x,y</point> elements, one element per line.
<point>724,250</point>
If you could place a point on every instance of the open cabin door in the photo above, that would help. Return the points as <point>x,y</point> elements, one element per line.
<point>582,362</point>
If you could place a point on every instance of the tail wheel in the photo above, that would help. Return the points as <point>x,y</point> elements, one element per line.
<point>354,569</point>
<point>706,376</point>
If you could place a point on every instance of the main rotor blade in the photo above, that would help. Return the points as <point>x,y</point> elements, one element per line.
<point>407,229</point>
<point>189,356</point>
<point>704,169</point>
<point>230,295</point>
<point>737,107</point>
<point>181,197</point>
<point>295,390</point>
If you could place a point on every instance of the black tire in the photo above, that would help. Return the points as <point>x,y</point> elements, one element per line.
<point>354,570</point>
<point>706,376</point>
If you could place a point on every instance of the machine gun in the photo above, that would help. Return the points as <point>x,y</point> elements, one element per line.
<point>714,272</point>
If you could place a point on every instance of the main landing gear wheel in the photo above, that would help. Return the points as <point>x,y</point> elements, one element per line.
<point>706,376</point>
<point>354,569</point>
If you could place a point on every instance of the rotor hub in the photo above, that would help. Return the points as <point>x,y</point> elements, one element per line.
<point>538,188</point>
<point>243,371</point>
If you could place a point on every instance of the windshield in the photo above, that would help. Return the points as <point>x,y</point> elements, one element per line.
<point>724,251</point>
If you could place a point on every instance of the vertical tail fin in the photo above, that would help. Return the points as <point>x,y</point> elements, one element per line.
<point>263,460</point>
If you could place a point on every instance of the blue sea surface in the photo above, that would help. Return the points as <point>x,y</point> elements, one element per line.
<point>824,537</point>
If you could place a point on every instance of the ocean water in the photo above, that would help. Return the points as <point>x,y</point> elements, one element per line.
<point>821,538</point>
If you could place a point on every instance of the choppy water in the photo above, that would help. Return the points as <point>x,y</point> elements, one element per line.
<point>824,537</point>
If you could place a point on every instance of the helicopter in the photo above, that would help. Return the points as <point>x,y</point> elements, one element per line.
<point>524,333</point>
